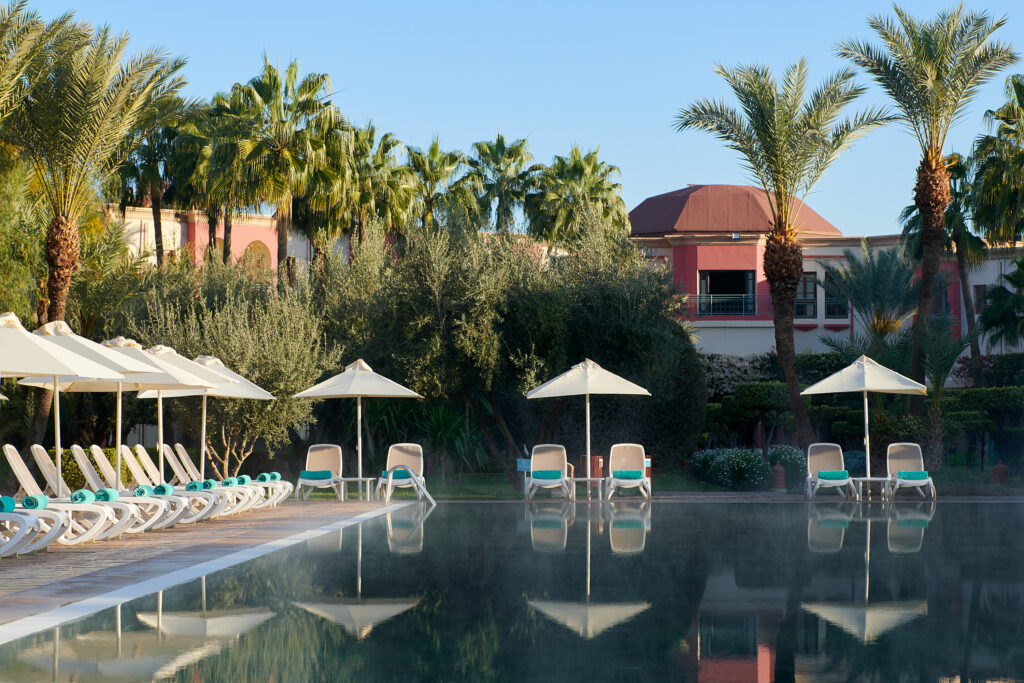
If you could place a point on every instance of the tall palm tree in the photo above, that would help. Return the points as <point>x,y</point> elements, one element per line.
<point>960,240</point>
<point>569,190</point>
<point>931,70</point>
<point>998,195</point>
<point>502,174</point>
<point>81,122</point>
<point>433,170</point>
<point>286,144</point>
<point>1002,316</point>
<point>787,139</point>
<point>27,47</point>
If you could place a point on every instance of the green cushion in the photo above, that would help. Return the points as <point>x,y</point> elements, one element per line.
<point>315,474</point>
<point>546,474</point>
<point>628,474</point>
<point>627,524</point>
<point>833,474</point>
<point>913,524</point>
<point>834,524</point>
<point>547,524</point>
<point>912,474</point>
<point>397,474</point>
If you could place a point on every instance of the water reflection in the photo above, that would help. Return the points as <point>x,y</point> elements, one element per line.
<point>549,525</point>
<point>405,528</point>
<point>628,524</point>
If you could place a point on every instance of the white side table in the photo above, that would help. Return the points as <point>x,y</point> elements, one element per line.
<point>586,482</point>
<point>861,481</point>
<point>360,482</point>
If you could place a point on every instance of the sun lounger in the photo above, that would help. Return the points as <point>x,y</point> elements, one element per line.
<point>277,491</point>
<point>177,507</point>
<point>549,525</point>
<point>23,532</point>
<point>628,525</point>
<point>825,467</point>
<point>549,469</point>
<point>237,498</point>
<point>153,512</point>
<point>907,525</point>
<point>323,470</point>
<point>202,504</point>
<point>827,525</point>
<point>627,469</point>
<point>404,469</point>
<point>905,466</point>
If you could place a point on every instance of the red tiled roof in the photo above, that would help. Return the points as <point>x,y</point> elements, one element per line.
<point>704,209</point>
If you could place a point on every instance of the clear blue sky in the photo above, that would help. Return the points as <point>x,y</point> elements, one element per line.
<point>601,73</point>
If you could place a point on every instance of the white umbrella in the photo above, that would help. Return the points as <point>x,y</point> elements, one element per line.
<point>586,378</point>
<point>209,623</point>
<point>867,622</point>
<point>866,375</point>
<point>358,381</point>
<point>232,386</point>
<point>589,620</point>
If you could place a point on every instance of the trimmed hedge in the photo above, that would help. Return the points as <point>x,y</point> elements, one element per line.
<point>70,471</point>
<point>742,469</point>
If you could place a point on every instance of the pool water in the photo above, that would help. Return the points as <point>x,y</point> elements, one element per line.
<point>553,591</point>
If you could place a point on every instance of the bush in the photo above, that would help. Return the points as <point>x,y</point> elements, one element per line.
<point>795,462</point>
<point>736,468</point>
<point>72,474</point>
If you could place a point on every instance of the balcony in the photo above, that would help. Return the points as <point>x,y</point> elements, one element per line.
<point>836,308</point>
<point>805,308</point>
<point>749,305</point>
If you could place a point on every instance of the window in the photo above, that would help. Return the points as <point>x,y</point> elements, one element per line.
<point>835,307</point>
<point>727,292</point>
<point>806,305</point>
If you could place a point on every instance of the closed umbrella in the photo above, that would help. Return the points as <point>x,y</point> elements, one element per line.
<point>232,385</point>
<point>584,379</point>
<point>358,381</point>
<point>865,375</point>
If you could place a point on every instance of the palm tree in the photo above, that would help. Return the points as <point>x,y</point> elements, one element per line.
<point>501,174</point>
<point>80,124</point>
<point>27,47</point>
<point>572,188</point>
<point>931,70</point>
<point>1002,316</point>
<point>998,195</point>
<point>787,140</point>
<point>286,144</point>
<point>432,172</point>
<point>959,239</point>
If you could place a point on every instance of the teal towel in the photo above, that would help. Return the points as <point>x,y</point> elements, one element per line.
<point>834,524</point>
<point>547,524</point>
<point>833,474</point>
<point>913,524</point>
<point>909,474</point>
<point>230,481</point>
<point>627,524</point>
<point>209,484</point>
<point>194,486</point>
<point>83,496</point>
<point>264,477</point>
<point>397,474</point>
<point>7,504</point>
<point>245,480</point>
<point>628,474</point>
<point>275,476</point>
<point>107,495</point>
<point>315,474</point>
<point>546,474</point>
<point>36,502</point>
<point>143,491</point>
<point>163,489</point>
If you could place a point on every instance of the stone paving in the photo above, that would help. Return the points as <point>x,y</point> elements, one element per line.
<point>63,574</point>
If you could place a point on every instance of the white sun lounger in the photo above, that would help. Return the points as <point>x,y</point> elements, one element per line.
<point>627,457</point>
<point>277,491</point>
<point>548,457</point>
<point>202,504</point>
<point>237,499</point>
<point>177,507</point>
<point>906,457</point>
<point>827,457</point>
<point>408,458</point>
<point>322,457</point>
<point>153,512</point>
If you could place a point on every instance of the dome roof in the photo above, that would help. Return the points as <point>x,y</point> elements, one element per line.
<point>704,209</point>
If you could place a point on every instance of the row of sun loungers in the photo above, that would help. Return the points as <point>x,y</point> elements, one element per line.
<point>404,469</point>
<point>106,508</point>
<point>550,469</point>
<point>904,469</point>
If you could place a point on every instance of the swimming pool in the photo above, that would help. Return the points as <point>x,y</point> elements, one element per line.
<point>559,591</point>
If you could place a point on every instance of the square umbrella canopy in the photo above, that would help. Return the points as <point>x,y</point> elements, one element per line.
<point>865,375</point>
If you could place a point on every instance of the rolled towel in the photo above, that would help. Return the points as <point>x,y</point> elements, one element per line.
<point>230,481</point>
<point>275,476</point>
<point>245,480</point>
<point>35,502</point>
<point>83,496</point>
<point>107,495</point>
<point>7,504</point>
<point>264,477</point>
<point>163,489</point>
<point>194,486</point>
<point>209,484</point>
<point>143,491</point>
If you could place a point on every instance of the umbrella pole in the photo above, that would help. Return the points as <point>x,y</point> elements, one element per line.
<point>359,564</point>
<point>867,565</point>
<point>160,432</point>
<point>359,443</point>
<point>867,437</point>
<point>588,465</point>
<point>202,444</point>
<point>202,585</point>
<point>56,436</point>
<point>117,439</point>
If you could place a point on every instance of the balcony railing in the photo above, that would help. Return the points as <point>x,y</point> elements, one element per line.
<point>805,308</point>
<point>733,304</point>
<point>836,308</point>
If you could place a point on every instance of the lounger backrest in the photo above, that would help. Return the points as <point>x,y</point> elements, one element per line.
<point>180,475</point>
<point>904,457</point>
<point>152,471</point>
<point>324,456</point>
<point>92,477</point>
<point>49,471</point>
<point>138,474</point>
<point>824,457</point>
<point>626,456</point>
<point>548,456</point>
<point>408,454</point>
<point>105,467</point>
<point>25,479</point>
<point>186,460</point>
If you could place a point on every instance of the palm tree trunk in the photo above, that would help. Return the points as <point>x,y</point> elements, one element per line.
<point>932,196</point>
<point>965,293</point>
<point>158,233</point>
<point>211,226</point>
<point>783,266</point>
<point>227,234</point>
<point>284,224</point>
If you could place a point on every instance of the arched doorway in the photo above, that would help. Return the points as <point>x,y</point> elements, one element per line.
<point>256,256</point>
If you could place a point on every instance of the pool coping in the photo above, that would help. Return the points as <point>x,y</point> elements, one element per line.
<point>78,609</point>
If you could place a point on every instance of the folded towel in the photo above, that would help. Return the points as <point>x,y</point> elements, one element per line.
<point>107,495</point>
<point>264,477</point>
<point>143,491</point>
<point>834,524</point>
<point>546,474</point>
<point>397,474</point>
<point>209,484</point>
<point>912,474</point>
<point>628,474</point>
<point>627,524</point>
<point>912,523</point>
<point>275,476</point>
<point>7,504</point>
<point>83,496</point>
<point>244,479</point>
<point>163,489</point>
<point>36,502</point>
<point>833,474</point>
<point>315,474</point>
<point>194,486</point>
<point>547,524</point>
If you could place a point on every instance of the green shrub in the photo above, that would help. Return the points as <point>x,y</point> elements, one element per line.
<point>794,460</point>
<point>736,468</point>
<point>72,474</point>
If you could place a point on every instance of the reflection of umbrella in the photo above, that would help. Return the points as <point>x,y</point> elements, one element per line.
<point>586,378</point>
<point>867,622</point>
<point>866,375</point>
<point>210,623</point>
<point>589,620</point>
<point>232,385</point>
<point>358,381</point>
